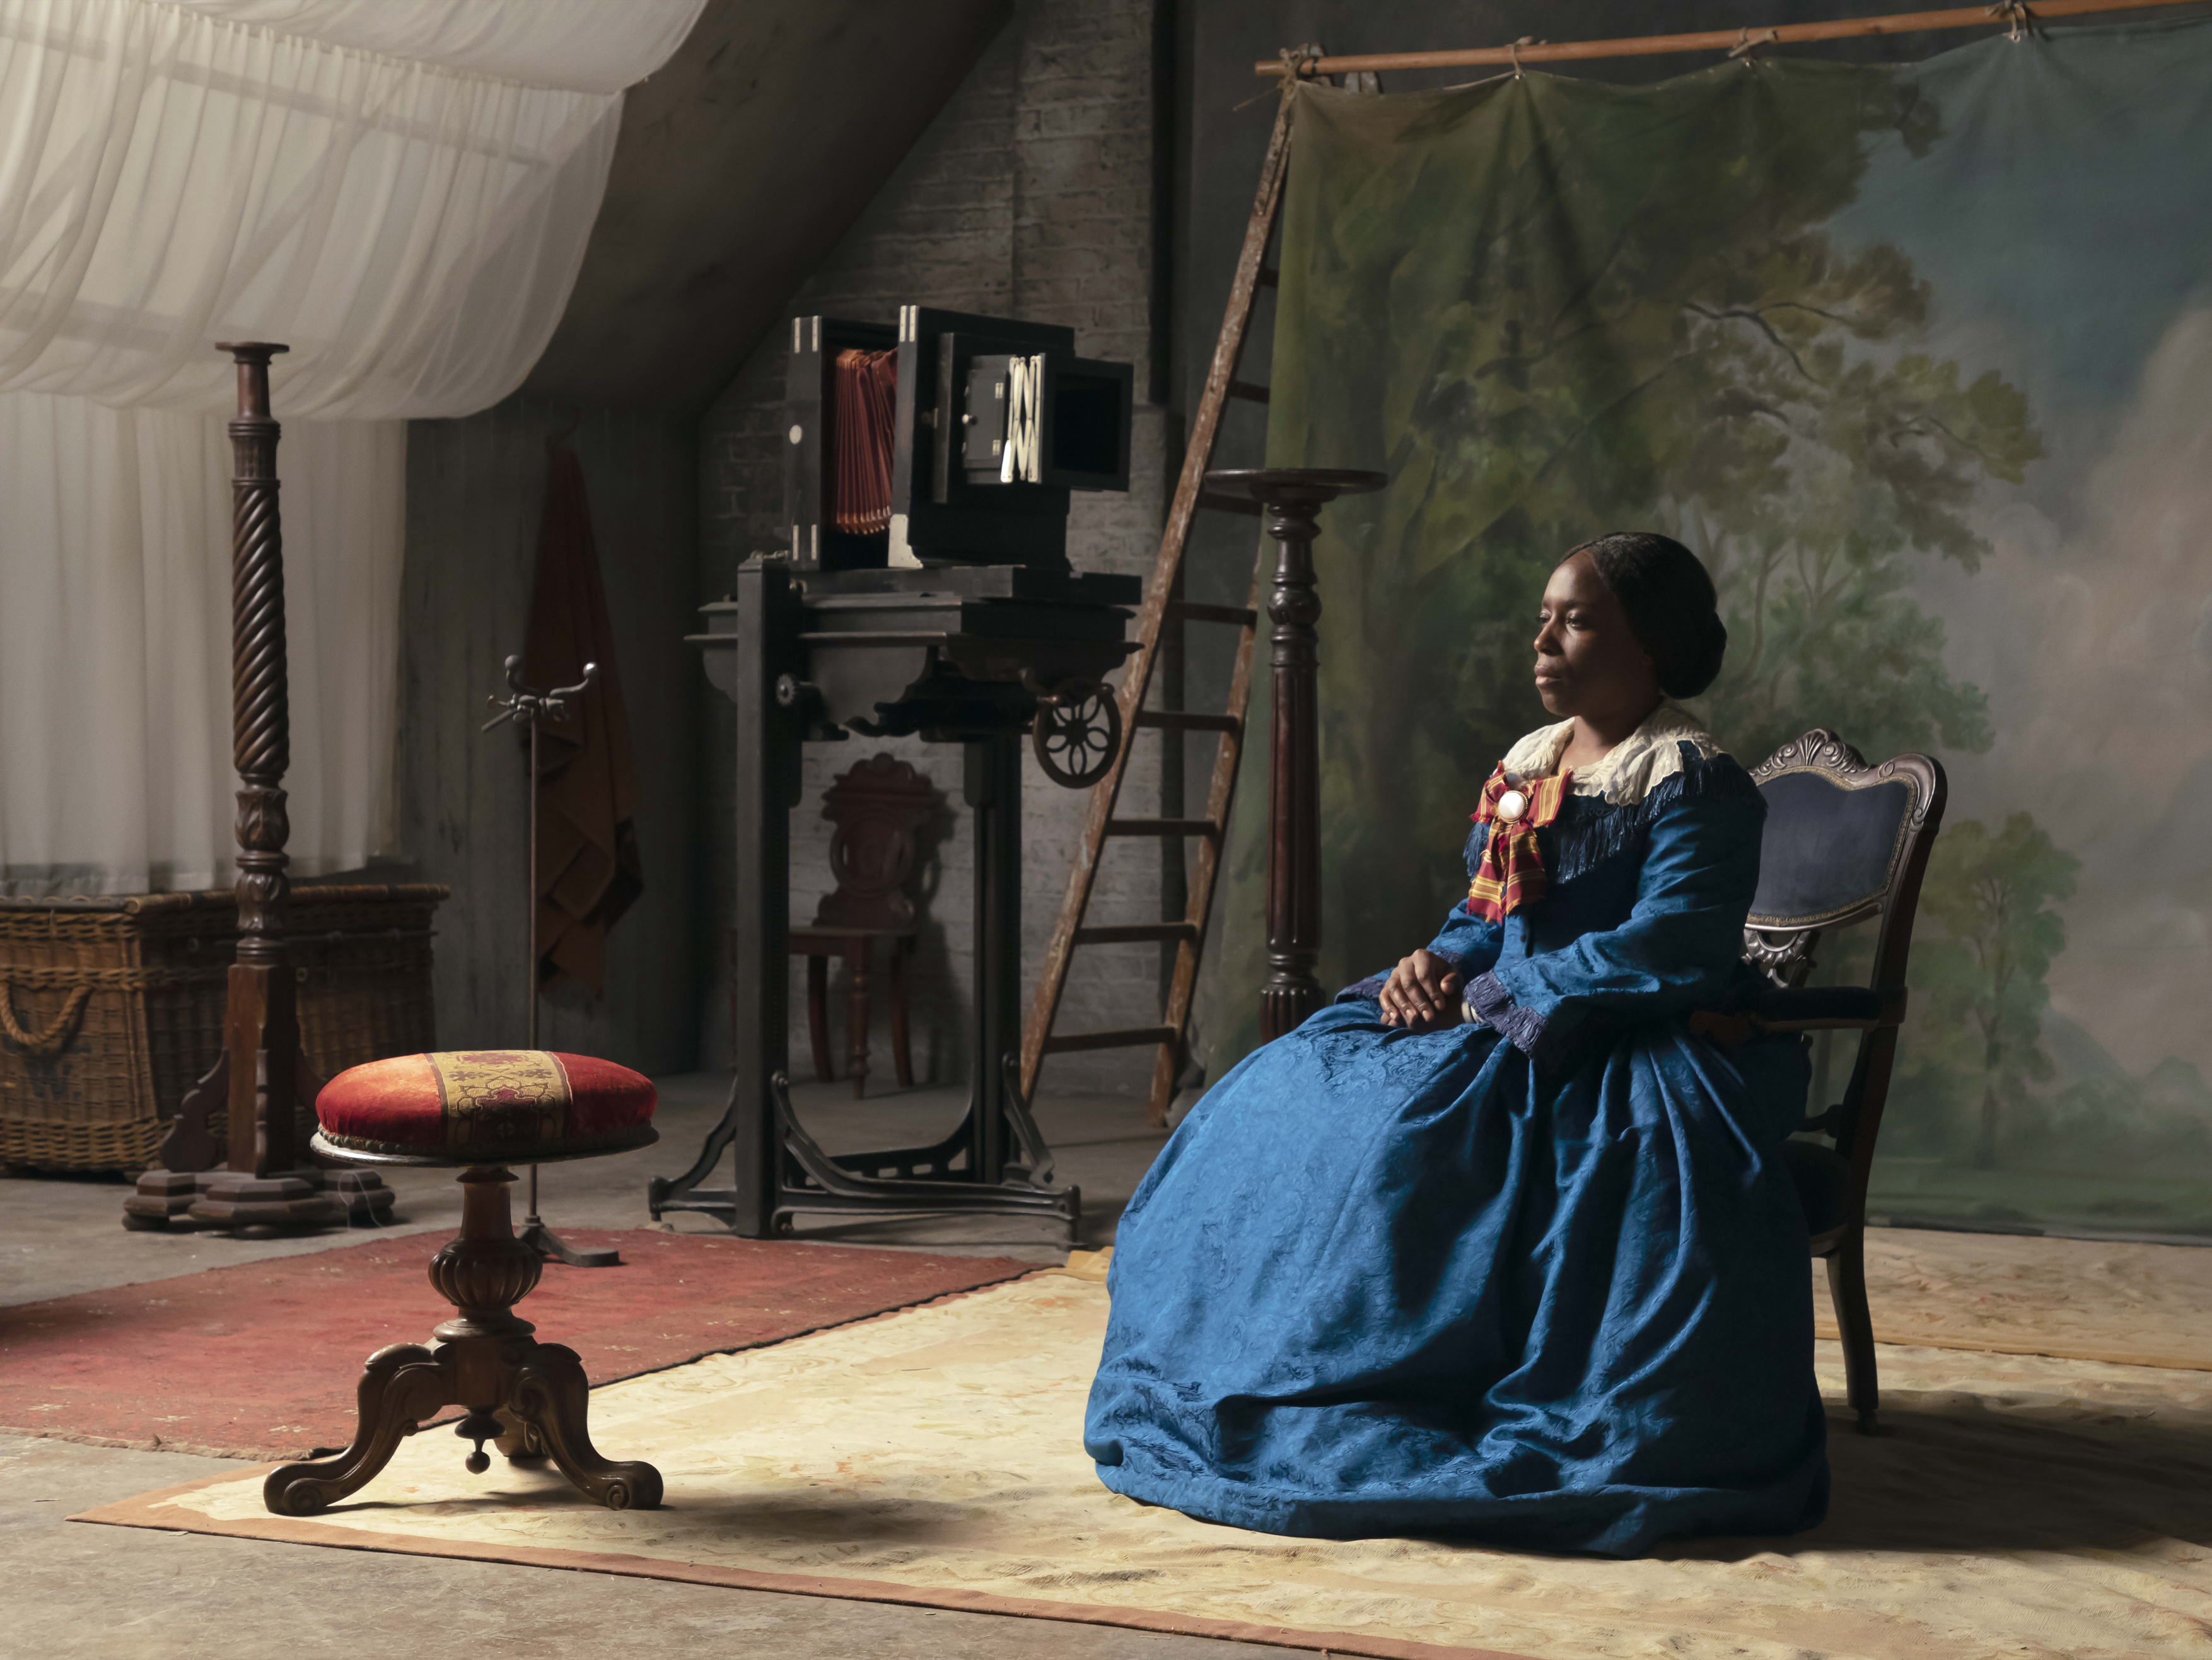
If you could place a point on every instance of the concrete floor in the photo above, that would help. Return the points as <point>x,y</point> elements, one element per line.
<point>82,1591</point>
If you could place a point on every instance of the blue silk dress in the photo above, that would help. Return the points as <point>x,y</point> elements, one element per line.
<point>1537,1281</point>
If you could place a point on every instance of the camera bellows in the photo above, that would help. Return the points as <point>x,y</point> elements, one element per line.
<point>865,423</point>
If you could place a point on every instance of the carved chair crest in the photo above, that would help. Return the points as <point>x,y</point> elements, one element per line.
<point>880,808</point>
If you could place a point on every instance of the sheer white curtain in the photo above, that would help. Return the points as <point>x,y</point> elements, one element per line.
<point>401,190</point>
<point>585,45</point>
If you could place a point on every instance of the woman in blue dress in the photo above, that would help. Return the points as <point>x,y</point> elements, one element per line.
<point>1494,1245</point>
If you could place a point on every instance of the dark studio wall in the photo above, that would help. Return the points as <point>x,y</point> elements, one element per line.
<point>475,491</point>
<point>741,163</point>
<point>1035,193</point>
<point>738,165</point>
<point>845,156</point>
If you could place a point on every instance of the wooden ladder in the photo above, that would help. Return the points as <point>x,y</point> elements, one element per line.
<point>1164,606</point>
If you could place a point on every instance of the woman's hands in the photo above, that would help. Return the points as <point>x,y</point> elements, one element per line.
<point>1422,994</point>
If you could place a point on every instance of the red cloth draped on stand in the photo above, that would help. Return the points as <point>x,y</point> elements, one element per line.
<point>587,862</point>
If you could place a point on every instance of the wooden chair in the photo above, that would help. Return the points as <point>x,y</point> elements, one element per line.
<point>1845,842</point>
<point>880,808</point>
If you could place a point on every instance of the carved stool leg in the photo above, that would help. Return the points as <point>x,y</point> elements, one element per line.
<point>552,1397</point>
<point>403,1384</point>
<point>528,1397</point>
<point>522,1443</point>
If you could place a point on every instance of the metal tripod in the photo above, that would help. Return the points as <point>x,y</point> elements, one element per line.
<point>528,706</point>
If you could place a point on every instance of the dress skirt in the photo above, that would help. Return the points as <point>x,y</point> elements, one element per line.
<point>1382,1282</point>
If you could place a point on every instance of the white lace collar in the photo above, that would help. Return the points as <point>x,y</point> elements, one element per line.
<point>1632,768</point>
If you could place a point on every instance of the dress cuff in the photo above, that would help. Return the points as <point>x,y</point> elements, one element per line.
<point>1524,1029</point>
<point>1371,988</point>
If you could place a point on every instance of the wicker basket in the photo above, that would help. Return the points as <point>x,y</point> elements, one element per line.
<point>112,1008</point>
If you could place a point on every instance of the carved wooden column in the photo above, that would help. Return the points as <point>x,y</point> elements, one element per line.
<point>262,1019</point>
<point>266,1183</point>
<point>1292,497</point>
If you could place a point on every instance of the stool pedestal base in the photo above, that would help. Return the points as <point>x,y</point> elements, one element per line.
<point>250,1207</point>
<point>529,1398</point>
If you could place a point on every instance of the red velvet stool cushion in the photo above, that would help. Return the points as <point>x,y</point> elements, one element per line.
<point>485,1107</point>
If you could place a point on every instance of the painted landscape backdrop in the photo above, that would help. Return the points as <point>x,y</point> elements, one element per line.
<point>1920,360</point>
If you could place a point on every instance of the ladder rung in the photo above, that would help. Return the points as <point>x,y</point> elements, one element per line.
<point>1236,614</point>
<point>1230,504</point>
<point>1183,720</point>
<point>1247,392</point>
<point>1161,827</point>
<point>1206,849</point>
<point>1126,1037</point>
<point>1136,934</point>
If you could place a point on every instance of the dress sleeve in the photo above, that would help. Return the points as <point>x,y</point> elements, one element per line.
<point>1681,948</point>
<point>1471,944</point>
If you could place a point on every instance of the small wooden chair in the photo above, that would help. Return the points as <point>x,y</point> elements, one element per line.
<point>880,808</point>
<point>1844,843</point>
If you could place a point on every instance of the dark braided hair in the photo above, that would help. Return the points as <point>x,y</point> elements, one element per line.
<point>1672,607</point>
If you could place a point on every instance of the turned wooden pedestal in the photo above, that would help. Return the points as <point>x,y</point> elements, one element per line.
<point>1291,498</point>
<point>528,1398</point>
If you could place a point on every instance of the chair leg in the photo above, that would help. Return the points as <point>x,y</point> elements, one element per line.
<point>856,1049</point>
<point>817,1015</point>
<point>902,1053</point>
<point>1847,1290</point>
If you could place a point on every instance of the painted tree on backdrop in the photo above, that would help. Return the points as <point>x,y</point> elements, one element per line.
<point>1977,1044</point>
<point>1645,322</point>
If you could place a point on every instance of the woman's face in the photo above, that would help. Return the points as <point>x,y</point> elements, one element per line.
<point>1588,661</point>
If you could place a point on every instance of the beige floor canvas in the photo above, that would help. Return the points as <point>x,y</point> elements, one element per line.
<point>2015,1506</point>
<point>2087,1299</point>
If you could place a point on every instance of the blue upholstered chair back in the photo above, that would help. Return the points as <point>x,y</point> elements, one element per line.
<point>1844,841</point>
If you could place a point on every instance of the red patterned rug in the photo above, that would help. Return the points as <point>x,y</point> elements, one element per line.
<point>260,1360</point>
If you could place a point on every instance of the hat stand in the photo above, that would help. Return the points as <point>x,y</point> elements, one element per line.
<point>527,706</point>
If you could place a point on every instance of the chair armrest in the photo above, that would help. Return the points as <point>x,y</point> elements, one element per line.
<point>1829,1008</point>
<point>1804,1009</point>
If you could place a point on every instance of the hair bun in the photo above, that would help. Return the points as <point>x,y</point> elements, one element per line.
<point>1671,605</point>
<point>1697,665</point>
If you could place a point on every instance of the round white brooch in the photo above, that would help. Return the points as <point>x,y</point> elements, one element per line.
<point>1511,805</point>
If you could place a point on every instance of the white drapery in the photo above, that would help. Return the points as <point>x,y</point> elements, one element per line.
<point>584,45</point>
<point>401,190</point>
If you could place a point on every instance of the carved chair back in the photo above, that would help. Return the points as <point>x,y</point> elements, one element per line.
<point>880,806</point>
<point>1845,842</point>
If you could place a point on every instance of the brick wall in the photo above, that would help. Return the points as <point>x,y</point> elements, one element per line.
<point>1031,196</point>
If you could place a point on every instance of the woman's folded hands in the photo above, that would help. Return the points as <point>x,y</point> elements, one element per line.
<point>1422,992</point>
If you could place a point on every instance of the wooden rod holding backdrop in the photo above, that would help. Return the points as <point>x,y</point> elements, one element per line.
<point>1651,46</point>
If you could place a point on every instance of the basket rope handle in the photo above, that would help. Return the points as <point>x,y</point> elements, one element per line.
<point>54,1038</point>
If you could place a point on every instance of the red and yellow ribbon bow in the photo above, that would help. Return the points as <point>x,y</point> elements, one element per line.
<point>1511,874</point>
